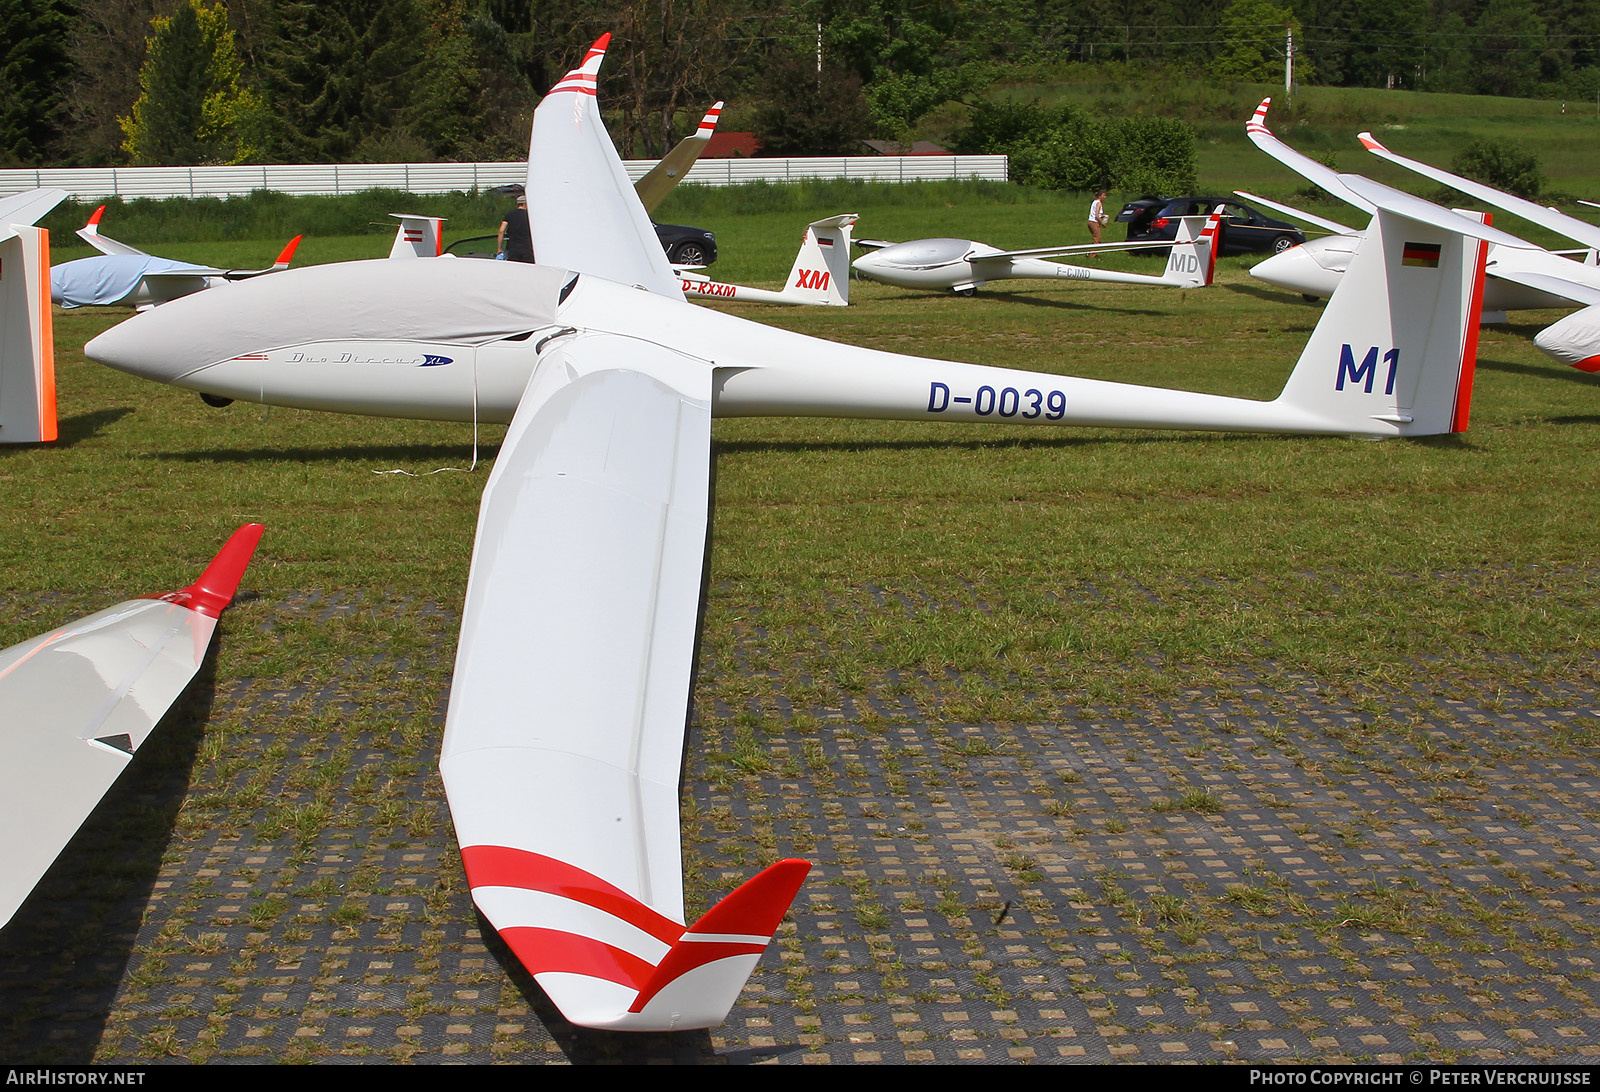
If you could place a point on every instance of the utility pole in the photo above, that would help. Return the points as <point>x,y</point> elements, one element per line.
<point>1288,65</point>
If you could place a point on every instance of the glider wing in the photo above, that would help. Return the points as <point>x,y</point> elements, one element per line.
<point>564,739</point>
<point>79,702</point>
<point>659,180</point>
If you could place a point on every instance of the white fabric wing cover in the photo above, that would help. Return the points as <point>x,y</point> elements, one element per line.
<point>564,740</point>
<point>583,211</point>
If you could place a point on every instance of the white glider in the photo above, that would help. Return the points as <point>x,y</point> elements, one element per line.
<point>126,276</point>
<point>964,266</point>
<point>564,739</point>
<point>77,703</point>
<point>27,344</point>
<point>1521,277</point>
<point>820,276</point>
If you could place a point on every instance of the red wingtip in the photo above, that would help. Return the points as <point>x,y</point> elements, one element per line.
<point>214,590</point>
<point>94,217</point>
<point>755,907</point>
<point>288,252</point>
<point>1369,143</point>
<point>600,44</point>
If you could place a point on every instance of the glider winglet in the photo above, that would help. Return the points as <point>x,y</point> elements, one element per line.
<point>93,226</point>
<point>708,124</point>
<point>216,586</point>
<point>583,78</point>
<point>1319,174</point>
<point>741,924</point>
<point>287,255</point>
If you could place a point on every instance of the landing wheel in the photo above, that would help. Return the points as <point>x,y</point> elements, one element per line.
<point>216,401</point>
<point>968,292</point>
<point>1309,298</point>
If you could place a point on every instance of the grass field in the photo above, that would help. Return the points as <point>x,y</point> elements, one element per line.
<point>968,589</point>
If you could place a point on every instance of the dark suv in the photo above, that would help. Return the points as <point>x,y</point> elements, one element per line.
<point>1244,230</point>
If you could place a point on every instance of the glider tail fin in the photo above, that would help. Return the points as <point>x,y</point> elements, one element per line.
<point>821,272</point>
<point>27,353</point>
<point>417,236</point>
<point>1398,341</point>
<point>1192,261</point>
<point>700,977</point>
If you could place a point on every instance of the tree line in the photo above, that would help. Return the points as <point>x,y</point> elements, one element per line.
<point>103,82</point>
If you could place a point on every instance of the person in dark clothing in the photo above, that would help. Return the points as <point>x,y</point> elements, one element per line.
<point>516,237</point>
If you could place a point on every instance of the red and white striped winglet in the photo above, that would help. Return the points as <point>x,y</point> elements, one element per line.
<point>584,78</point>
<point>1258,124</point>
<point>741,924</point>
<point>93,226</point>
<point>708,124</point>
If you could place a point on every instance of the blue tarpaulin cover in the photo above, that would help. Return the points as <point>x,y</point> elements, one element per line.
<point>107,279</point>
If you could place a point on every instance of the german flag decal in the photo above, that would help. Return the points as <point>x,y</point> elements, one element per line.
<point>1423,254</point>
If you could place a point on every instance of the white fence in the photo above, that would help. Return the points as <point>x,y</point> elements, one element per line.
<point>97,183</point>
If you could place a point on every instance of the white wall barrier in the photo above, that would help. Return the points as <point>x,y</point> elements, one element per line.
<point>98,183</point>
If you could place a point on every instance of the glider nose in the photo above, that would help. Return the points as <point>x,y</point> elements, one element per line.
<point>143,346</point>
<point>1298,270</point>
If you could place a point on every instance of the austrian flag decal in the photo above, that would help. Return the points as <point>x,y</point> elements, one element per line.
<point>1423,254</point>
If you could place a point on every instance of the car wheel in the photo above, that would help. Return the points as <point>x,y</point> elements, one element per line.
<point>689,254</point>
<point>1284,242</point>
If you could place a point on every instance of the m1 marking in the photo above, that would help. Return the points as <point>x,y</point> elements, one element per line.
<point>1367,371</point>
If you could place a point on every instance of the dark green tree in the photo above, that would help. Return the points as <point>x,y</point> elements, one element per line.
<point>339,76</point>
<point>811,113</point>
<point>33,67</point>
<point>1510,40</point>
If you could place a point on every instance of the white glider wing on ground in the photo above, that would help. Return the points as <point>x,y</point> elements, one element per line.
<point>964,266</point>
<point>570,700</point>
<point>126,276</point>
<point>77,703</point>
<point>27,342</point>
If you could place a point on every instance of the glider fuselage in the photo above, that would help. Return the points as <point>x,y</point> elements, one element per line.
<point>465,376</point>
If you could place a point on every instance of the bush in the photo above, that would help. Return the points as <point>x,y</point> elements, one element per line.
<point>1503,165</point>
<point>1073,150</point>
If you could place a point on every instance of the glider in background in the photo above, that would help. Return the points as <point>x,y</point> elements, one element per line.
<point>820,275</point>
<point>565,733</point>
<point>27,346</point>
<point>81,700</point>
<point>964,266</point>
<point>122,275</point>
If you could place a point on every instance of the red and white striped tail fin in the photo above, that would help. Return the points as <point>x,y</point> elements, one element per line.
<point>27,341</point>
<point>416,237</point>
<point>1192,261</point>
<point>608,960</point>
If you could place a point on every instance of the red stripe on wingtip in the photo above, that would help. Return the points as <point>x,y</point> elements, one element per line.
<point>94,217</point>
<point>1369,144</point>
<point>288,252</point>
<point>214,590</point>
<point>600,44</point>
<point>503,866</point>
<point>552,951</point>
<point>1588,364</point>
<point>685,958</point>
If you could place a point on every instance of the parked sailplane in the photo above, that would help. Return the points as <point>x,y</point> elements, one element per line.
<point>819,277</point>
<point>27,345</point>
<point>964,266</point>
<point>1522,278</point>
<point>81,700</point>
<point>568,707</point>
<point>123,275</point>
